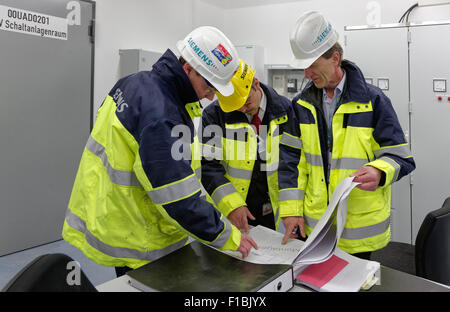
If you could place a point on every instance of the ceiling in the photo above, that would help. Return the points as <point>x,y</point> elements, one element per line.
<point>233,4</point>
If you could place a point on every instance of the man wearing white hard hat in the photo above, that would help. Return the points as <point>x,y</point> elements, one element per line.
<point>246,170</point>
<point>347,128</point>
<point>134,199</point>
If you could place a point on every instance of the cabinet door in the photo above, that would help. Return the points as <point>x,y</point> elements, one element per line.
<point>46,103</point>
<point>382,55</point>
<point>430,126</point>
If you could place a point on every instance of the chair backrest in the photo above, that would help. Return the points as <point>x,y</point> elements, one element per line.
<point>50,273</point>
<point>433,246</point>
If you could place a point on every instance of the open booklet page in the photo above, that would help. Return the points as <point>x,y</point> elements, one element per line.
<point>270,250</point>
<point>326,233</point>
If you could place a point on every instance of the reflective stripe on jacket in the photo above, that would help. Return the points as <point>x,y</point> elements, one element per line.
<point>132,201</point>
<point>229,146</point>
<point>365,131</point>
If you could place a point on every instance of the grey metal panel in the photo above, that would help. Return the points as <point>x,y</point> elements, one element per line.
<point>253,55</point>
<point>147,59</point>
<point>383,53</point>
<point>430,119</point>
<point>46,100</point>
<point>129,62</point>
<point>134,60</point>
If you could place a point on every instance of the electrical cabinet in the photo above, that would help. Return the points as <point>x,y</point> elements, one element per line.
<point>430,107</point>
<point>253,55</point>
<point>382,55</point>
<point>407,63</point>
<point>287,81</point>
<point>135,60</point>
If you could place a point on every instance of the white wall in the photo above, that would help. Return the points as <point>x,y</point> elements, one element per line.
<point>269,25</point>
<point>157,25</point>
<point>134,24</point>
<point>205,13</point>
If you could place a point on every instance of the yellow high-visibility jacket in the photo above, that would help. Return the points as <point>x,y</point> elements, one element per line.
<point>136,195</point>
<point>365,132</point>
<point>229,146</point>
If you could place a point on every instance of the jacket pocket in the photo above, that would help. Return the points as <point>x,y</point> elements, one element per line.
<point>365,201</point>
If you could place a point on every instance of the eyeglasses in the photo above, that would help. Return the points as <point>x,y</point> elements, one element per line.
<point>211,88</point>
<point>208,83</point>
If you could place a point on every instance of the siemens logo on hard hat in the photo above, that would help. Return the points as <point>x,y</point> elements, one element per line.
<point>323,35</point>
<point>200,53</point>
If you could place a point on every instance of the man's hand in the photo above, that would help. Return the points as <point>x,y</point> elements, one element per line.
<point>368,176</point>
<point>246,245</point>
<point>291,224</point>
<point>238,218</point>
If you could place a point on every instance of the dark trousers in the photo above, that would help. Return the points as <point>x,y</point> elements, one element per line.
<point>363,255</point>
<point>267,220</point>
<point>258,197</point>
<point>122,270</point>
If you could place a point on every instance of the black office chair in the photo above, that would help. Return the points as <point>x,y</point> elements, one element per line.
<point>430,257</point>
<point>398,256</point>
<point>49,273</point>
<point>433,246</point>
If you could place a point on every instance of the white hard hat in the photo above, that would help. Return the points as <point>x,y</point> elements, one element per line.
<point>311,37</point>
<point>212,55</point>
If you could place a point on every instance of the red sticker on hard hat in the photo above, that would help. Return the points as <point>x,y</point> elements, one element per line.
<point>222,55</point>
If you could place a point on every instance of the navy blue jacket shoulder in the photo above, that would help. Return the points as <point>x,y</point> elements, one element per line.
<point>149,105</point>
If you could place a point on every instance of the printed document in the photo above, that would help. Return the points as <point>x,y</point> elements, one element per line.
<point>320,244</point>
<point>349,272</point>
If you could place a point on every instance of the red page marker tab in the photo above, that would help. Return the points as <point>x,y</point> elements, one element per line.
<point>321,273</point>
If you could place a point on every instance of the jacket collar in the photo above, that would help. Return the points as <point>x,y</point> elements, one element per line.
<point>171,72</point>
<point>355,88</point>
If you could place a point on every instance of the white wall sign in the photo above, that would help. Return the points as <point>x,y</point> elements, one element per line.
<point>33,23</point>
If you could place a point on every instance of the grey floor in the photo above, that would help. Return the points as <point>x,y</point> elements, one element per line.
<point>13,263</point>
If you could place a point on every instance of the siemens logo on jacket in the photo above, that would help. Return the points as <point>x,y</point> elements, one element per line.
<point>199,52</point>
